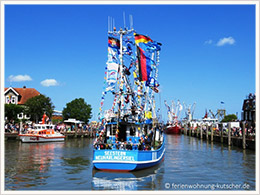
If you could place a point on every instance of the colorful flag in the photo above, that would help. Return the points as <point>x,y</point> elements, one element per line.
<point>113,43</point>
<point>144,65</point>
<point>112,69</point>
<point>112,56</point>
<point>154,46</point>
<point>141,39</point>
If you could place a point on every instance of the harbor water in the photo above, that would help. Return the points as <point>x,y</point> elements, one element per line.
<point>189,164</point>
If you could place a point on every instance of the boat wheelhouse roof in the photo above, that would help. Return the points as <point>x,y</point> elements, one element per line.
<point>43,126</point>
<point>41,131</point>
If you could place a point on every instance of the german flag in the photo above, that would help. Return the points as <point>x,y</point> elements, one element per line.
<point>144,65</point>
<point>141,39</point>
<point>113,43</point>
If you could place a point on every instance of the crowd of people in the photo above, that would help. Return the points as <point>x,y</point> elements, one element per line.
<point>12,127</point>
<point>144,142</point>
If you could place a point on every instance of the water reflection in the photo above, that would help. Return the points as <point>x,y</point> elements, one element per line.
<point>68,166</point>
<point>29,164</point>
<point>75,165</point>
<point>135,180</point>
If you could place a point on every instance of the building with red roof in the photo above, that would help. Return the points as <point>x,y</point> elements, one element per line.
<point>19,95</point>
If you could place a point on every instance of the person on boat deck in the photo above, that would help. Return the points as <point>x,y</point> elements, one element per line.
<point>109,143</point>
<point>147,147</point>
<point>129,144</point>
<point>122,145</point>
<point>148,140</point>
<point>141,145</point>
<point>117,145</point>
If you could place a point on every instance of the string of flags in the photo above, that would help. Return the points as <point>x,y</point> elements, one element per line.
<point>141,62</point>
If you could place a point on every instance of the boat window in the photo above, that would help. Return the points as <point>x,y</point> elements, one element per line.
<point>113,127</point>
<point>132,131</point>
<point>122,132</point>
<point>108,127</point>
<point>145,129</point>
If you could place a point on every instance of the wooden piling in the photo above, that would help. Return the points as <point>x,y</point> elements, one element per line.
<point>197,131</point>
<point>201,132</point>
<point>212,135</point>
<point>229,134</point>
<point>185,129</point>
<point>221,134</point>
<point>21,127</point>
<point>190,129</point>
<point>243,136</point>
<point>207,131</point>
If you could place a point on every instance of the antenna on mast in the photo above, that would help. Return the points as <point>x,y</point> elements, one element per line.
<point>108,24</point>
<point>124,19</point>
<point>114,24</point>
<point>111,24</point>
<point>131,21</point>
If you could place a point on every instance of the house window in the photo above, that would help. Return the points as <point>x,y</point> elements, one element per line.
<point>7,99</point>
<point>13,100</point>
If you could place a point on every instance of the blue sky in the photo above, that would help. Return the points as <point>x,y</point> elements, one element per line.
<point>208,52</point>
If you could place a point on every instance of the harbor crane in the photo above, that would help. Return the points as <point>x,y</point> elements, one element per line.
<point>189,111</point>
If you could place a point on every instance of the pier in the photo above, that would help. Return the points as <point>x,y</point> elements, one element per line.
<point>74,134</point>
<point>227,137</point>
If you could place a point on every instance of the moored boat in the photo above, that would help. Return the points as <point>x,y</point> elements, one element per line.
<point>41,133</point>
<point>173,129</point>
<point>127,160</point>
<point>130,136</point>
<point>133,152</point>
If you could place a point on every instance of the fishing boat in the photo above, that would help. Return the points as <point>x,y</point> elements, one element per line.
<point>173,126</point>
<point>130,137</point>
<point>41,133</point>
<point>173,129</point>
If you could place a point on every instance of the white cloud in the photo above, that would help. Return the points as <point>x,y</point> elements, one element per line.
<point>49,82</point>
<point>19,78</point>
<point>226,41</point>
<point>208,42</point>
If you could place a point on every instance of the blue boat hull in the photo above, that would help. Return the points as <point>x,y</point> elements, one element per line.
<point>127,160</point>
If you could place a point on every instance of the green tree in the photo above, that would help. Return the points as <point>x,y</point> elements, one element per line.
<point>37,105</point>
<point>229,118</point>
<point>12,110</point>
<point>77,109</point>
